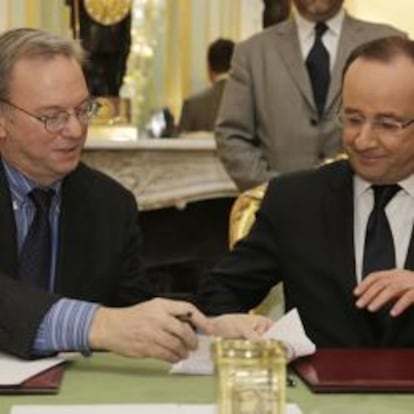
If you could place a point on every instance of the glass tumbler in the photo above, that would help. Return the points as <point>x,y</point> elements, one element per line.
<point>251,376</point>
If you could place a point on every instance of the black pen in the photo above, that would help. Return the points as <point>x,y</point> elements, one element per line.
<point>186,318</point>
<point>290,381</point>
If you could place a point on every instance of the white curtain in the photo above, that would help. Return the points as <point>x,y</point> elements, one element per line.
<point>169,61</point>
<point>191,26</point>
<point>47,14</point>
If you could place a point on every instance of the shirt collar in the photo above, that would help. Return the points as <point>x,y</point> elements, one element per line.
<point>20,185</point>
<point>221,76</point>
<point>306,27</point>
<point>361,185</point>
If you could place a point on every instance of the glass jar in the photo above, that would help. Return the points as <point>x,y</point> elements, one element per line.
<point>251,376</point>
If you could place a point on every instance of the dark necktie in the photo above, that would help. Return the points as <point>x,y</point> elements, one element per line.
<point>317,64</point>
<point>379,252</point>
<point>34,260</point>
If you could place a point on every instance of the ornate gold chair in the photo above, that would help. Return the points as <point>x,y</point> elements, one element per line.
<point>338,157</point>
<point>243,212</point>
<point>242,216</point>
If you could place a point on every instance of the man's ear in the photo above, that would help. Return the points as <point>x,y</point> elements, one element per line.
<point>2,125</point>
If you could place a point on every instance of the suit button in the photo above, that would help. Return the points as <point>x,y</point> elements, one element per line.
<point>313,122</point>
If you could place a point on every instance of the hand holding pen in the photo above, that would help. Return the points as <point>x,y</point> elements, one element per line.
<point>149,329</point>
<point>186,318</point>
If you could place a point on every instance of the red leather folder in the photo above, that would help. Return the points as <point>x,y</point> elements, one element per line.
<point>46,382</point>
<point>358,370</point>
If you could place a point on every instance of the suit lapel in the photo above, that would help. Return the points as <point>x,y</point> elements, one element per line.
<point>348,39</point>
<point>8,249</point>
<point>409,261</point>
<point>339,216</point>
<point>290,52</point>
<point>338,213</point>
<point>75,214</point>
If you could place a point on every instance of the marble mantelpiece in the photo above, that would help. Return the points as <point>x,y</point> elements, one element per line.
<point>162,172</point>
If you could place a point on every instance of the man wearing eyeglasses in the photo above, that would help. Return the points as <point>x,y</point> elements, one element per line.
<point>340,237</point>
<point>66,229</point>
<point>278,109</point>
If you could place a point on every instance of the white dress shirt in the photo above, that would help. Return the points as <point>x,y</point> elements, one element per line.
<point>330,39</point>
<point>400,214</point>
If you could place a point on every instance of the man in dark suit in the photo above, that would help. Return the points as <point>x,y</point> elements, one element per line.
<point>269,122</point>
<point>67,228</point>
<point>199,111</point>
<point>314,230</point>
<point>89,244</point>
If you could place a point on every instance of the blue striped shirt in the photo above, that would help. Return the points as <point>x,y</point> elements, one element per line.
<point>66,326</point>
<point>24,211</point>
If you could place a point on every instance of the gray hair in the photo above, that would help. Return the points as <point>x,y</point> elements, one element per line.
<point>16,44</point>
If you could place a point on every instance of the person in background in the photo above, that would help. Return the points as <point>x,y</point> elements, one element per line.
<point>283,91</point>
<point>69,229</point>
<point>340,236</point>
<point>199,111</point>
<point>275,11</point>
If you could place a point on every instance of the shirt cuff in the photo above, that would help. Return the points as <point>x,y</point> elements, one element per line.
<point>65,328</point>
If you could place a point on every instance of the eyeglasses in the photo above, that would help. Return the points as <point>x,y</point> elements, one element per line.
<point>383,126</point>
<point>56,122</point>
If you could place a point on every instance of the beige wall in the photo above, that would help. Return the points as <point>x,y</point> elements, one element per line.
<point>399,13</point>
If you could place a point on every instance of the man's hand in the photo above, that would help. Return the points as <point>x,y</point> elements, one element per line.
<point>380,288</point>
<point>240,325</point>
<point>150,329</point>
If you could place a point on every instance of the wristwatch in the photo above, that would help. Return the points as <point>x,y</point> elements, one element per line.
<point>107,12</point>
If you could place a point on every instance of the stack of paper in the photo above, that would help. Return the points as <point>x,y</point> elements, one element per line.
<point>30,377</point>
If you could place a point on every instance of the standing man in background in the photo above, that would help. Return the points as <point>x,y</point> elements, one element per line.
<point>199,112</point>
<point>278,109</point>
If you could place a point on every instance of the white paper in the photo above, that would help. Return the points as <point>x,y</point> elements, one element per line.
<point>199,362</point>
<point>14,371</point>
<point>288,329</point>
<point>128,409</point>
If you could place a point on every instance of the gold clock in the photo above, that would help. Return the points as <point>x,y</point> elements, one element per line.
<point>107,12</point>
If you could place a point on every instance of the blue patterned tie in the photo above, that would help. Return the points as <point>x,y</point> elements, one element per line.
<point>317,64</point>
<point>34,260</point>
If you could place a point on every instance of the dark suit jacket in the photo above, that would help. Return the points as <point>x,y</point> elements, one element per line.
<point>199,112</point>
<point>22,308</point>
<point>99,240</point>
<point>303,236</point>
